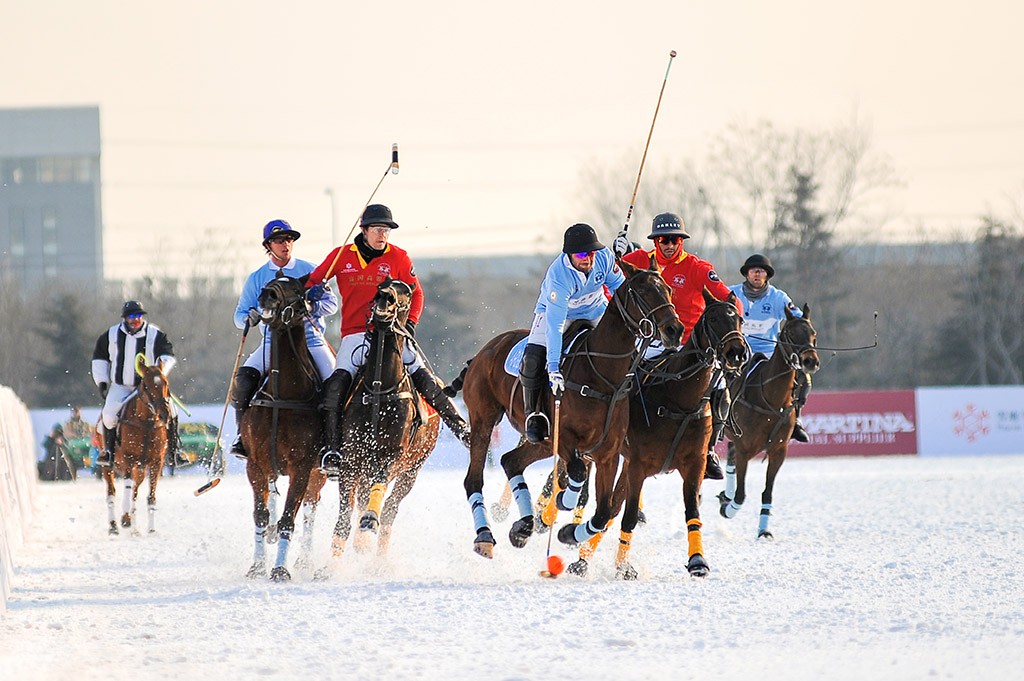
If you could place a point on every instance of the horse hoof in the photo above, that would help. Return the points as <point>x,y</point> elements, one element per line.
<point>521,531</point>
<point>499,512</point>
<point>485,549</point>
<point>152,531</point>
<point>579,568</point>
<point>369,522</point>
<point>697,566</point>
<point>303,564</point>
<point>257,571</point>
<point>113,528</point>
<point>126,521</point>
<point>280,574</point>
<point>567,534</point>
<point>271,535</point>
<point>626,572</point>
<point>539,524</point>
<point>322,574</point>
<point>723,503</point>
<point>765,534</point>
<point>641,518</point>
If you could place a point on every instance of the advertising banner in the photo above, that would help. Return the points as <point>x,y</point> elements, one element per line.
<point>971,420</point>
<point>858,424</point>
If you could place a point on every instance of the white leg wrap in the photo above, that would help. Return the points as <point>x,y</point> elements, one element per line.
<point>259,554</point>
<point>476,504</point>
<point>521,493</point>
<point>152,517</point>
<point>730,480</point>
<point>762,522</point>
<point>126,502</point>
<point>282,550</point>
<point>110,509</point>
<point>308,517</point>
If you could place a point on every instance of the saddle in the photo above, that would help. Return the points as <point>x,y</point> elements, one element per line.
<point>420,415</point>
<point>575,333</point>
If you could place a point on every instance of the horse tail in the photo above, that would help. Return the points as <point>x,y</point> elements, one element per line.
<point>453,388</point>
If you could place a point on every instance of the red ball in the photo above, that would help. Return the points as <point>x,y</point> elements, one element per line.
<point>556,565</point>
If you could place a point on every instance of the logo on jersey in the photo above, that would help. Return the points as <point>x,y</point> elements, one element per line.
<point>679,280</point>
<point>599,277</point>
<point>349,267</point>
<point>615,268</point>
<point>412,270</point>
<point>384,270</point>
<point>766,308</point>
<point>713,276</point>
<point>553,296</point>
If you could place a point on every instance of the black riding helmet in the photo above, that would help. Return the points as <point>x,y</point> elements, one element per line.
<point>758,260</point>
<point>667,224</point>
<point>377,214</point>
<point>580,237</point>
<point>132,307</point>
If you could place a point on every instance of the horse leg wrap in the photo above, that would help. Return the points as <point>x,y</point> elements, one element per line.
<point>578,534</point>
<point>110,509</point>
<point>521,493</point>
<point>589,547</point>
<point>259,553</point>
<point>476,505</point>
<point>622,556</point>
<point>762,522</point>
<point>568,498</point>
<point>282,548</point>
<point>730,509</point>
<point>126,502</point>
<point>693,537</point>
<point>152,517</point>
<point>376,498</point>
<point>730,480</point>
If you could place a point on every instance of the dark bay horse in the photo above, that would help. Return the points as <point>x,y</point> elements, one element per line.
<point>670,427</point>
<point>763,413</point>
<point>594,409</point>
<point>387,429</point>
<point>142,442</point>
<point>281,429</point>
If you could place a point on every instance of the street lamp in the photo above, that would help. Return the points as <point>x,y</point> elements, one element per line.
<point>334,218</point>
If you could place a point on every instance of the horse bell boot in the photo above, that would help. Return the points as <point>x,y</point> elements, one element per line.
<point>247,381</point>
<point>336,388</point>
<point>433,391</point>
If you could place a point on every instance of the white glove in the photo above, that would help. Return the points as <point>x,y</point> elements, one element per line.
<point>622,245</point>
<point>557,383</point>
<point>254,316</point>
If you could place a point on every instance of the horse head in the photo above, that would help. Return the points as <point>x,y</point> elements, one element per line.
<point>797,339</point>
<point>720,329</point>
<point>154,390</point>
<point>391,304</point>
<point>645,302</point>
<point>283,302</point>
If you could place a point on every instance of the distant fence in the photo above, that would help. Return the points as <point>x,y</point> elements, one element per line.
<point>17,483</point>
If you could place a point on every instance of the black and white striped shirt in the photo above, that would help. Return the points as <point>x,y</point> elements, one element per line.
<point>113,360</point>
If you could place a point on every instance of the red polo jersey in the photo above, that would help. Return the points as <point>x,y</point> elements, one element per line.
<point>686,275</point>
<point>357,282</point>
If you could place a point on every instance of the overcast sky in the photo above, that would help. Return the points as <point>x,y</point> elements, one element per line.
<point>219,116</point>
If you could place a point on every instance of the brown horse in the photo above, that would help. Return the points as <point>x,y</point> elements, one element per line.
<point>670,426</point>
<point>594,421</point>
<point>387,430</point>
<point>141,444</point>
<point>763,413</point>
<point>281,429</point>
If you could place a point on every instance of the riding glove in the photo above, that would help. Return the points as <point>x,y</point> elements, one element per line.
<point>622,245</point>
<point>315,293</point>
<point>103,390</point>
<point>254,316</point>
<point>557,383</point>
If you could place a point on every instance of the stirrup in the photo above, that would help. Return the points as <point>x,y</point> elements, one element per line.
<point>105,459</point>
<point>238,449</point>
<point>537,433</point>
<point>330,462</point>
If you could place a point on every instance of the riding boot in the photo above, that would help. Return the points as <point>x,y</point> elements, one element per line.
<point>174,456</point>
<point>247,381</point>
<point>719,414</point>
<point>106,457</point>
<point>336,388</point>
<point>801,387</point>
<point>534,380</point>
<point>428,385</point>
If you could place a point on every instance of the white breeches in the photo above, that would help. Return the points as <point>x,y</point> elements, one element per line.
<point>352,354</point>
<point>321,354</point>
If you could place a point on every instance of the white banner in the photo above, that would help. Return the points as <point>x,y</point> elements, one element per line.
<point>970,420</point>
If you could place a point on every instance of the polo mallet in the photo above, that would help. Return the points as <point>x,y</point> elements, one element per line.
<point>553,565</point>
<point>643,159</point>
<point>216,445</point>
<point>393,169</point>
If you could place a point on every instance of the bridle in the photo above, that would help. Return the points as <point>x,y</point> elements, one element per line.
<point>646,326</point>
<point>795,352</point>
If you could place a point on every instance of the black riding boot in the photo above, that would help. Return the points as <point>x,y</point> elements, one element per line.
<point>106,457</point>
<point>534,379</point>
<point>801,387</point>
<point>174,456</point>
<point>247,381</point>
<point>428,385</point>
<point>336,388</point>
<point>719,413</point>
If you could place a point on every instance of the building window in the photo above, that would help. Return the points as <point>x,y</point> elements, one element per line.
<point>83,170</point>
<point>49,232</point>
<point>17,220</point>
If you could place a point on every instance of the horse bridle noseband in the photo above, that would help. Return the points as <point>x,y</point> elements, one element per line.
<point>794,353</point>
<point>645,327</point>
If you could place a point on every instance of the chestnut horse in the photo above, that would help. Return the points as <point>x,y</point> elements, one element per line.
<point>594,410</point>
<point>387,429</point>
<point>282,428</point>
<point>670,427</point>
<point>141,444</point>
<point>763,413</point>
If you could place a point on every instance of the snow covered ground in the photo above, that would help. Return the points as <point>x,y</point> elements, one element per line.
<point>882,568</point>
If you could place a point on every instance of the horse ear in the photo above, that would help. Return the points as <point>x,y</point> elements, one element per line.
<point>807,312</point>
<point>733,299</point>
<point>654,264</point>
<point>708,298</point>
<point>628,268</point>
<point>304,279</point>
<point>789,315</point>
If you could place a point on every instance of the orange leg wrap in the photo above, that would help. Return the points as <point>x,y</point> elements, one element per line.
<point>622,557</point>
<point>693,537</point>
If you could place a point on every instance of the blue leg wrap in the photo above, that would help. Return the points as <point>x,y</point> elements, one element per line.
<point>476,503</point>
<point>521,493</point>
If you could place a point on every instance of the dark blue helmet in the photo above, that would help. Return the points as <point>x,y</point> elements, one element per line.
<point>278,228</point>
